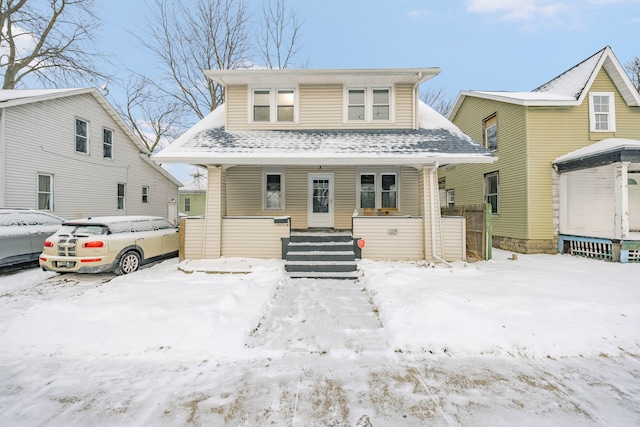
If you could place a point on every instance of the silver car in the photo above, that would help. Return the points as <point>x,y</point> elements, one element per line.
<point>110,243</point>
<point>22,234</point>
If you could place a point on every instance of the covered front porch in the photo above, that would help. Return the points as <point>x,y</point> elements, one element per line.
<point>598,193</point>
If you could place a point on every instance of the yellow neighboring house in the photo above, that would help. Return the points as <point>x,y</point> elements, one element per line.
<point>593,101</point>
<point>343,152</point>
<point>193,196</point>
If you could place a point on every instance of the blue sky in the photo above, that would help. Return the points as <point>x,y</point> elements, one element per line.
<point>479,44</point>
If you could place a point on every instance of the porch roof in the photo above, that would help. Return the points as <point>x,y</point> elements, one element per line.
<point>605,152</point>
<point>437,140</point>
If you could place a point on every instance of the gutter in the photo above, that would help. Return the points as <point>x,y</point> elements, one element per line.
<point>434,251</point>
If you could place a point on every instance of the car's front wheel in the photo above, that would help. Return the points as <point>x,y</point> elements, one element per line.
<point>129,262</point>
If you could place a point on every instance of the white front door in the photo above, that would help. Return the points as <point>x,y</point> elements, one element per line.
<point>320,206</point>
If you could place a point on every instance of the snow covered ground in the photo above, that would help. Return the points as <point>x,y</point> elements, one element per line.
<point>539,340</point>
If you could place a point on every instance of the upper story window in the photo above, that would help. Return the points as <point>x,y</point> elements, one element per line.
<point>82,136</point>
<point>107,143</point>
<point>368,104</point>
<point>490,132</point>
<point>187,204</point>
<point>273,105</point>
<point>602,112</point>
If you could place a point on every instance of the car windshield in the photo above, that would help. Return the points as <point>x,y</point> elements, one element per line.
<point>83,229</point>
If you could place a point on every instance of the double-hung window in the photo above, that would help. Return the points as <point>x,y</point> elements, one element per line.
<point>378,190</point>
<point>187,204</point>
<point>82,136</point>
<point>368,104</point>
<point>490,132</point>
<point>121,196</point>
<point>273,105</point>
<point>45,192</point>
<point>492,191</point>
<point>273,190</point>
<point>602,116</point>
<point>145,194</point>
<point>107,143</point>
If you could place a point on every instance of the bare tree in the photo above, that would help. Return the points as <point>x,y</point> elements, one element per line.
<point>48,41</point>
<point>189,37</point>
<point>633,69</point>
<point>155,123</point>
<point>279,34</point>
<point>437,99</point>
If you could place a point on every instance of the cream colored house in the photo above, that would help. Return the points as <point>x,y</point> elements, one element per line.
<point>68,152</point>
<point>591,102</point>
<point>324,150</point>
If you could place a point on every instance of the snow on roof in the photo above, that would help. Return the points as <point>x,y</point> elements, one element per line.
<point>604,146</point>
<point>572,82</point>
<point>15,94</point>
<point>437,138</point>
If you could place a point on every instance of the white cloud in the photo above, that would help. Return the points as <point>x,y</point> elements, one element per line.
<point>519,10</point>
<point>418,13</point>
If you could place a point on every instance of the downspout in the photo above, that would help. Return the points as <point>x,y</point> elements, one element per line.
<point>434,251</point>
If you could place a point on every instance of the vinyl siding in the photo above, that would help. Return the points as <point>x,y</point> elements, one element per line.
<point>468,180</point>
<point>257,237</point>
<point>406,244</point>
<point>192,238</point>
<point>198,202</point>
<point>320,107</point>
<point>554,132</point>
<point>40,138</point>
<point>454,238</point>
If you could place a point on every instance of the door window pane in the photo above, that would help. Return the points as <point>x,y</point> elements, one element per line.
<point>320,195</point>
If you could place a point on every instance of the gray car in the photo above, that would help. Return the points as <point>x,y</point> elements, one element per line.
<point>22,234</point>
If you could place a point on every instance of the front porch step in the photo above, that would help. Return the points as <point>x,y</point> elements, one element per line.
<point>321,255</point>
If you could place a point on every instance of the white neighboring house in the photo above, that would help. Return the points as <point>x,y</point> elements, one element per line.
<point>68,152</point>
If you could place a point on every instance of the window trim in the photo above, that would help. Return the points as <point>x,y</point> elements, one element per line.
<point>273,104</point>
<point>450,201</point>
<point>76,135</point>
<point>265,174</point>
<point>104,143</point>
<point>145,194</point>
<point>123,197</point>
<point>368,104</point>
<point>378,187</point>
<point>497,194</point>
<point>50,192</point>
<point>187,204</point>
<point>611,122</point>
<point>493,118</point>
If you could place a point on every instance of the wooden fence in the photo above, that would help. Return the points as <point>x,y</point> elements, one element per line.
<point>478,223</point>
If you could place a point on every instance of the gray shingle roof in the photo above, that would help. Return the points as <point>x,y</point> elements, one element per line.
<point>347,142</point>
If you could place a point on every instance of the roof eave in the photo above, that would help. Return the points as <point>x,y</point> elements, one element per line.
<point>409,160</point>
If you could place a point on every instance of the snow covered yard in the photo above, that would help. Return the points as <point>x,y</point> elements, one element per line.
<point>541,340</point>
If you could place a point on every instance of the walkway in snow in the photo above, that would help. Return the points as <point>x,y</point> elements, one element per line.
<point>320,316</point>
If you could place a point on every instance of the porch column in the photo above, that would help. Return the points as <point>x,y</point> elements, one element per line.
<point>621,205</point>
<point>214,211</point>
<point>431,213</point>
